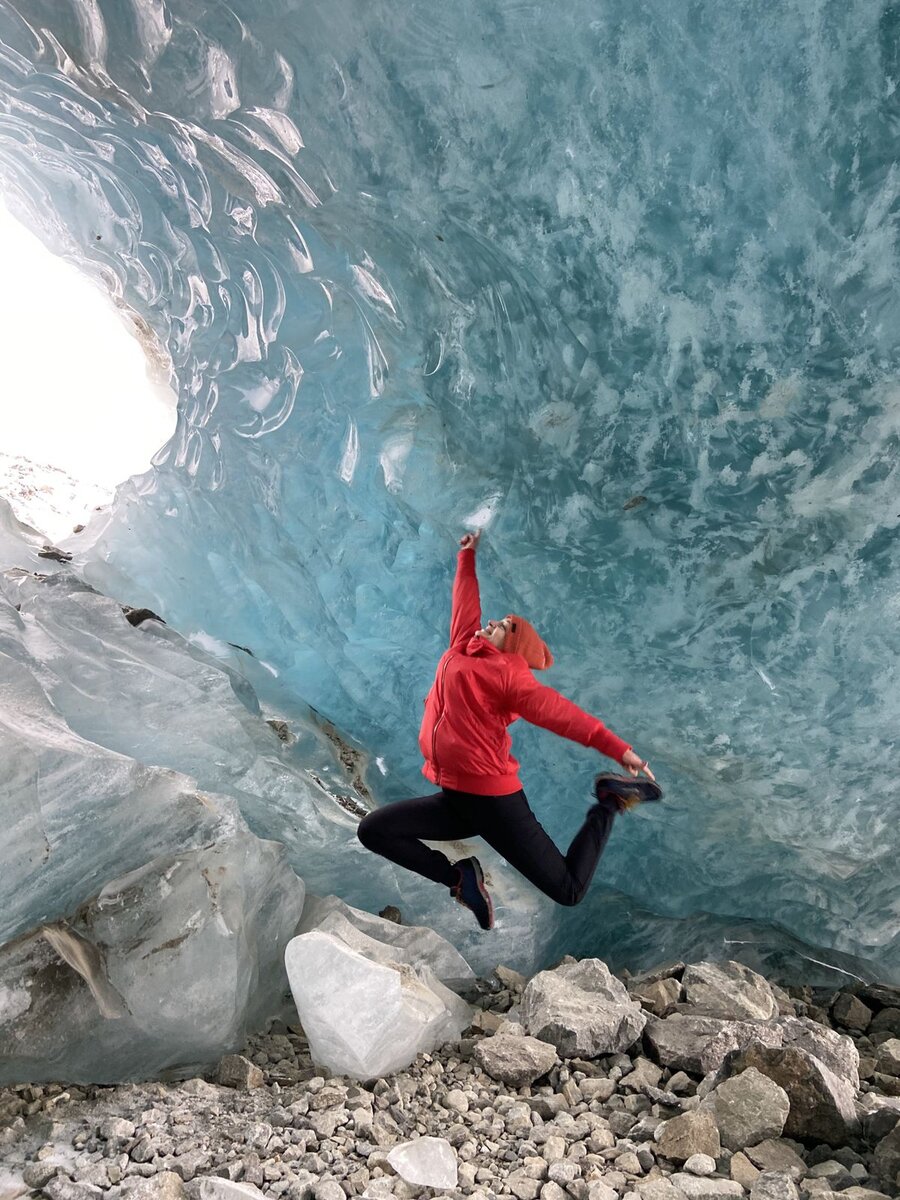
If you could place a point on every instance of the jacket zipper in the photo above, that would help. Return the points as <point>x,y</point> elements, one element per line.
<point>438,721</point>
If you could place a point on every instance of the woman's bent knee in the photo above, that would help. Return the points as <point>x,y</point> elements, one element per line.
<point>367,831</point>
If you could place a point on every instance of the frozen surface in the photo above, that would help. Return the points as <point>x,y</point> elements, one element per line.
<point>621,284</point>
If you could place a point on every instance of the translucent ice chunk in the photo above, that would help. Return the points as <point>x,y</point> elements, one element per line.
<point>365,1018</point>
<point>425,1162</point>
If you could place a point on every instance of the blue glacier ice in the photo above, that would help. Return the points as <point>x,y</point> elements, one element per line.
<point>617,281</point>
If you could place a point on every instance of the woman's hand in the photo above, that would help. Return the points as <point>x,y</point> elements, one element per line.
<point>469,541</point>
<point>635,765</point>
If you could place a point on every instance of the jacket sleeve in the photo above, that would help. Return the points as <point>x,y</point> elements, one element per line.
<point>543,706</point>
<point>465,615</point>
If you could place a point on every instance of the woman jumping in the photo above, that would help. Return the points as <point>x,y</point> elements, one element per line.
<point>483,683</point>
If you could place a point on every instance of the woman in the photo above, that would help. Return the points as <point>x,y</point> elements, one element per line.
<point>484,682</point>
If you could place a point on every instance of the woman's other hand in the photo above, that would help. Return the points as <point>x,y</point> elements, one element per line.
<point>469,541</point>
<point>635,765</point>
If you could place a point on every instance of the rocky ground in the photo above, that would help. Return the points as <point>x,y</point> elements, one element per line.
<point>729,1087</point>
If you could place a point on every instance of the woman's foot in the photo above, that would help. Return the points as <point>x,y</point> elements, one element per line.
<point>624,791</point>
<point>471,892</point>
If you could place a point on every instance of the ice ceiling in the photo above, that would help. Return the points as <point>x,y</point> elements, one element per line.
<point>619,282</point>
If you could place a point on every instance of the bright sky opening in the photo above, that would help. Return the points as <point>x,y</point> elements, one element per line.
<point>76,390</point>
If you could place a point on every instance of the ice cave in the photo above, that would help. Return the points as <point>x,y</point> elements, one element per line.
<point>617,284</point>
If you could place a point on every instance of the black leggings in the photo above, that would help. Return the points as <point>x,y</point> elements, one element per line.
<point>505,822</point>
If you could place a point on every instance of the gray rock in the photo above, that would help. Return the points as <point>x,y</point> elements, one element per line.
<point>698,1044</point>
<point>836,1050</point>
<point>235,1071</point>
<point>728,990</point>
<point>164,1186</point>
<point>863,1193</point>
<point>749,1108</point>
<point>777,1155</point>
<point>514,1060</point>
<point>657,1189</point>
<point>848,1010</point>
<point>581,1009</point>
<point>695,1187</point>
<point>886,1159</point>
<point>888,1060</point>
<point>38,1174</point>
<point>700,1164</point>
<point>646,1074</point>
<point>822,1105</point>
<point>61,1188</point>
<point>741,1169</point>
<point>659,997</point>
<point>887,1021</point>
<point>670,970</point>
<point>882,995</point>
<point>691,1133</point>
<point>773,1185</point>
<point>212,1187</point>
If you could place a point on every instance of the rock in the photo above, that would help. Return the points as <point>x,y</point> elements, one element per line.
<point>773,1185</point>
<point>659,997</point>
<point>835,1050</point>
<point>367,1018</point>
<point>212,1187</point>
<point>887,1085</point>
<point>749,1108</point>
<point>887,1021</point>
<point>700,1164</point>
<point>597,1089</point>
<point>835,1173</point>
<point>392,913</point>
<point>881,995</point>
<point>645,1075</point>
<point>425,1162</point>
<point>777,1155</point>
<point>878,1114</point>
<point>116,1129</point>
<point>658,1189</point>
<point>863,1193</point>
<point>582,1010</point>
<point>514,1060</point>
<point>742,1170</point>
<point>691,1133</point>
<point>669,970</point>
<point>38,1174</point>
<point>164,1186</point>
<point>235,1071</point>
<point>598,1190</point>
<point>729,991</point>
<point>699,1044</point>
<point>848,1010</point>
<point>629,1163</point>
<point>888,1060</point>
<point>329,1189</point>
<point>384,940</point>
<point>695,1187</point>
<point>61,1188</point>
<point>886,1159</point>
<point>510,979</point>
<point>821,1105</point>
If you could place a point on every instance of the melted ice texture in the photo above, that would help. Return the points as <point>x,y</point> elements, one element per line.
<point>620,282</point>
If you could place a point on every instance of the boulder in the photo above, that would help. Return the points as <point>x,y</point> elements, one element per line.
<point>887,1021</point>
<point>776,1154</point>
<point>821,1104</point>
<point>699,1044</point>
<point>365,1018</point>
<point>888,1060</point>
<point>836,1050</point>
<point>741,1169</point>
<point>886,1159</point>
<point>691,1133</point>
<point>659,997</point>
<point>773,1185</point>
<point>514,1060</point>
<point>850,1012</point>
<point>212,1187</point>
<point>728,990</point>
<point>425,1162</point>
<point>694,1187</point>
<point>582,1010</point>
<point>749,1108</point>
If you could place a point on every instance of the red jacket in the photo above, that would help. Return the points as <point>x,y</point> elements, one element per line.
<point>477,692</point>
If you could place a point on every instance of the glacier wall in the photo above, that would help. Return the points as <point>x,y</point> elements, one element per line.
<point>618,281</point>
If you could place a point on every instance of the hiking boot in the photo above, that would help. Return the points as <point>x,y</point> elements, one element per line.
<point>624,791</point>
<point>471,892</point>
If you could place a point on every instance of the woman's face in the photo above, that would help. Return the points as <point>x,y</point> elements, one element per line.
<point>495,632</point>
